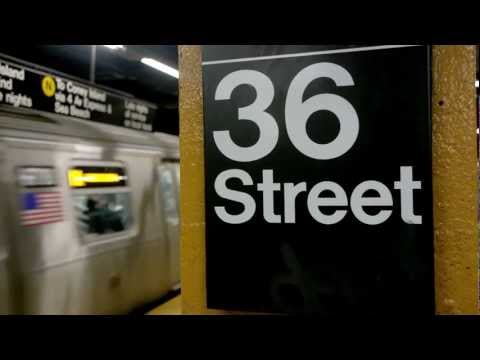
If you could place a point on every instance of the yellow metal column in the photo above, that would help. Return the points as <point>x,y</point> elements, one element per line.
<point>455,179</point>
<point>454,169</point>
<point>192,183</point>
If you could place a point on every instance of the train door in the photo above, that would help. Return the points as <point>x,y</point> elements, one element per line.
<point>101,196</point>
<point>169,195</point>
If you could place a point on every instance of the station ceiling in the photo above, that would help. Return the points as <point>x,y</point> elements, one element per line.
<point>119,69</point>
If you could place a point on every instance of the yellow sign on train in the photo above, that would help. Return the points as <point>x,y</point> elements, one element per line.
<point>77,178</point>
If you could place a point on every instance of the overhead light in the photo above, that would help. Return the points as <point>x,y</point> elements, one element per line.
<point>478,131</point>
<point>114,47</point>
<point>477,83</point>
<point>161,67</point>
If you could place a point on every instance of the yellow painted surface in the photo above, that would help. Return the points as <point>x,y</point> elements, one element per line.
<point>192,266</point>
<point>455,179</point>
<point>192,205</point>
<point>454,169</point>
<point>171,307</point>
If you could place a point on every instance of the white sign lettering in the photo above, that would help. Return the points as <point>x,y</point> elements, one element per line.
<point>297,114</point>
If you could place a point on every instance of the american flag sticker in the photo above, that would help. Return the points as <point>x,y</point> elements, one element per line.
<point>41,208</point>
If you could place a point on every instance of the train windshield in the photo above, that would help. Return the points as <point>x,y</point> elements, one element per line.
<point>101,200</point>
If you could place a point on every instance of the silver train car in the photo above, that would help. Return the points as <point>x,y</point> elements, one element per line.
<point>89,222</point>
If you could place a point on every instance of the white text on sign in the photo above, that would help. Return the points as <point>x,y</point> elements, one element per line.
<point>297,113</point>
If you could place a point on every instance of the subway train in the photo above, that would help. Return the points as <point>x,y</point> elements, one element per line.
<point>89,222</point>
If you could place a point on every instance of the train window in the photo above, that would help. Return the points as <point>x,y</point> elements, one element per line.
<point>177,171</point>
<point>101,200</point>
<point>102,214</point>
<point>169,194</point>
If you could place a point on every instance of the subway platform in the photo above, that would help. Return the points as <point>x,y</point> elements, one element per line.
<point>172,306</point>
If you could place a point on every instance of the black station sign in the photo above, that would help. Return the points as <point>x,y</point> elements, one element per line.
<point>28,88</point>
<point>318,179</point>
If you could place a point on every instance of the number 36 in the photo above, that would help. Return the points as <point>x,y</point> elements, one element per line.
<point>297,113</point>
